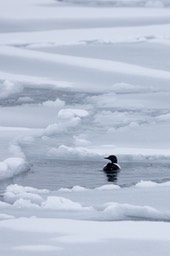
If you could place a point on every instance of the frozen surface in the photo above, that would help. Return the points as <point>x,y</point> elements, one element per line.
<point>70,221</point>
<point>12,166</point>
<point>80,80</point>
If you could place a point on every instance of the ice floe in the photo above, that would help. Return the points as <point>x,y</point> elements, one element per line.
<point>79,80</point>
<point>9,88</point>
<point>12,166</point>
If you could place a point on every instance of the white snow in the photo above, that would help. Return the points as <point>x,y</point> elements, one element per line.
<point>108,187</point>
<point>151,184</point>
<point>79,80</point>
<point>8,88</point>
<point>60,203</point>
<point>12,166</point>
<point>94,225</point>
<point>57,103</point>
<point>75,189</point>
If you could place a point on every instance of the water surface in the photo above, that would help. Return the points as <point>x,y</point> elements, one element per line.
<point>55,174</point>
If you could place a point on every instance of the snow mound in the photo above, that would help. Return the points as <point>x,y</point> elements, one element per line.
<point>120,120</point>
<point>116,211</point>
<point>66,119</point>
<point>26,203</point>
<point>28,197</point>
<point>151,184</point>
<point>163,118</point>
<point>126,88</point>
<point>12,166</point>
<point>112,100</point>
<point>11,198</point>
<point>54,104</point>
<point>74,189</point>
<point>79,189</point>
<point>20,189</point>
<point>108,187</point>
<point>44,201</point>
<point>16,192</point>
<point>106,100</point>
<point>61,203</point>
<point>9,88</point>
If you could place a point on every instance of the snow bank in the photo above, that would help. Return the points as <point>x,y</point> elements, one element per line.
<point>97,204</point>
<point>73,189</point>
<point>12,166</point>
<point>20,189</point>
<point>122,3</point>
<point>112,100</point>
<point>96,65</point>
<point>61,203</point>
<point>28,197</point>
<point>75,237</point>
<point>127,88</point>
<point>32,202</point>
<point>102,101</point>
<point>115,211</point>
<point>56,104</point>
<point>67,119</point>
<point>108,187</point>
<point>116,119</point>
<point>34,82</point>
<point>31,195</point>
<point>151,184</point>
<point>163,118</point>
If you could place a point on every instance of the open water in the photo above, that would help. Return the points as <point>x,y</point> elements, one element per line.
<point>55,174</point>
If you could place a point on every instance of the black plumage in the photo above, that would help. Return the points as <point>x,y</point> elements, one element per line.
<point>113,166</point>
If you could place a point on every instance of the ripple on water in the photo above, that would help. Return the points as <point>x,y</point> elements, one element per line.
<point>54,174</point>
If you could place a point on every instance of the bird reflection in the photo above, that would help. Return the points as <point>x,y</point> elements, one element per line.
<point>112,169</point>
<point>112,176</point>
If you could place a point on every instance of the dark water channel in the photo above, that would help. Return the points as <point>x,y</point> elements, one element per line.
<point>54,174</point>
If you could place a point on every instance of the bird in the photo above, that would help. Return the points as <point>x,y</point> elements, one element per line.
<point>112,167</point>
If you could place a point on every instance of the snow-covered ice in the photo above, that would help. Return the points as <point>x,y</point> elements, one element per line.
<point>12,166</point>
<point>124,219</point>
<point>80,80</point>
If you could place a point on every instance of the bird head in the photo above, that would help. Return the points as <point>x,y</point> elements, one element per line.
<point>112,158</point>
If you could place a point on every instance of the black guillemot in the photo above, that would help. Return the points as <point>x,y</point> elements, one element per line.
<point>113,166</point>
